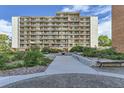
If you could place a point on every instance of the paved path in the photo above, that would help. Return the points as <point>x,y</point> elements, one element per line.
<point>60,65</point>
<point>73,80</point>
<point>68,64</point>
<point>11,79</point>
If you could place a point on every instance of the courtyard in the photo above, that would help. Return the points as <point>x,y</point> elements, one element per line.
<point>66,71</point>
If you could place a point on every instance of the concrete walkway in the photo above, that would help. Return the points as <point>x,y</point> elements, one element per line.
<point>68,64</point>
<point>11,79</point>
<point>60,65</point>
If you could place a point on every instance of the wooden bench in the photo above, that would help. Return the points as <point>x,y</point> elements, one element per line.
<point>116,63</point>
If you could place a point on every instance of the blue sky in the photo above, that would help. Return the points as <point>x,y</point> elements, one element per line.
<point>102,11</point>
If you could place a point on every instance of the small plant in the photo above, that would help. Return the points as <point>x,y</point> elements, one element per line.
<point>51,50</point>
<point>42,63</point>
<point>19,55</point>
<point>32,58</point>
<point>45,61</point>
<point>12,66</point>
<point>90,52</point>
<point>77,49</point>
<point>46,50</point>
<point>55,50</point>
<point>29,58</point>
<point>106,53</point>
<point>3,60</point>
<point>34,48</point>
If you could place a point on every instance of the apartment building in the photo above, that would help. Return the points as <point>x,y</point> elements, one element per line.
<point>65,30</point>
<point>118,28</point>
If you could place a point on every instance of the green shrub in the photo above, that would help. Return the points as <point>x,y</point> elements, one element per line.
<point>46,50</point>
<point>89,49</point>
<point>45,61</point>
<point>110,54</point>
<point>19,55</point>
<point>108,51</point>
<point>42,63</point>
<point>19,64</point>
<point>114,57</point>
<point>81,49</point>
<point>77,49</point>
<point>55,50</point>
<point>51,50</point>
<point>12,66</point>
<point>90,52</point>
<point>9,52</point>
<point>34,48</point>
<point>32,58</point>
<point>3,60</point>
<point>2,65</point>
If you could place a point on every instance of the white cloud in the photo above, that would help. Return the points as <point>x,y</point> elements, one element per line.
<point>102,10</point>
<point>105,28</point>
<point>76,8</point>
<point>107,18</point>
<point>5,27</point>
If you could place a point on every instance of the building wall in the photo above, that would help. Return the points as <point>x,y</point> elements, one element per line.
<point>94,31</point>
<point>64,30</point>
<point>118,27</point>
<point>15,32</point>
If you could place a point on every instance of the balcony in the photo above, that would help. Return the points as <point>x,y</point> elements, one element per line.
<point>24,42</point>
<point>45,20</point>
<point>50,34</point>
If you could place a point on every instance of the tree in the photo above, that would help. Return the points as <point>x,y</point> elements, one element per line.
<point>104,40</point>
<point>4,44</point>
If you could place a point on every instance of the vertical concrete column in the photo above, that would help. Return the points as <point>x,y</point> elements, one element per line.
<point>15,32</point>
<point>94,31</point>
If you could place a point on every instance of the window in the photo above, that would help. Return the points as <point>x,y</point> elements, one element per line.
<point>22,45</point>
<point>21,35</point>
<point>25,19</point>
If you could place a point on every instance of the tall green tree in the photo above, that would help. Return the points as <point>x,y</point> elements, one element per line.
<point>4,42</point>
<point>104,40</point>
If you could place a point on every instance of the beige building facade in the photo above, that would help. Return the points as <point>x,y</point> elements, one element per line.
<point>65,30</point>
